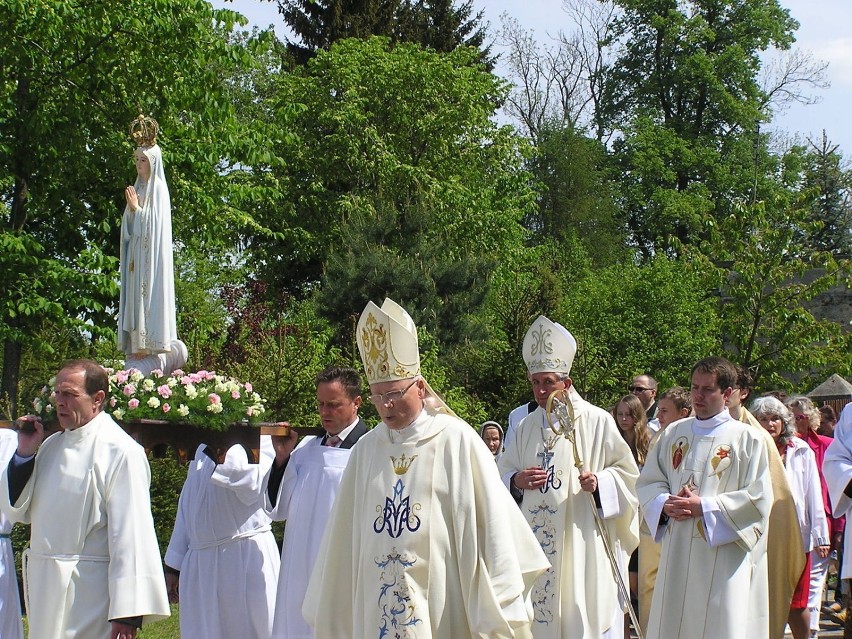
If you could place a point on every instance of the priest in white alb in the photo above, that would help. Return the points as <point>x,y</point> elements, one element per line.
<point>706,494</point>
<point>222,561</point>
<point>93,567</point>
<point>579,595</point>
<point>423,540</point>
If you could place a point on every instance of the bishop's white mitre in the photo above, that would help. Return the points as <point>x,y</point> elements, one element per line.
<point>549,347</point>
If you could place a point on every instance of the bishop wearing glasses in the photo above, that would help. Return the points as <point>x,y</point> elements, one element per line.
<point>423,540</point>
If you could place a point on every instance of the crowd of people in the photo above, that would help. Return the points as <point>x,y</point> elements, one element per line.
<point>682,514</point>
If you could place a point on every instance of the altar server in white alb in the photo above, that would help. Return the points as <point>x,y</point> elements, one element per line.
<point>706,493</point>
<point>222,561</point>
<point>301,488</point>
<point>423,540</point>
<point>93,566</point>
<point>578,596</point>
<point>10,601</point>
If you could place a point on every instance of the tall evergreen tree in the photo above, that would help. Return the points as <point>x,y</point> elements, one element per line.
<point>436,24</point>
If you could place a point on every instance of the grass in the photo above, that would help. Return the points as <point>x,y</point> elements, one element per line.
<point>165,629</point>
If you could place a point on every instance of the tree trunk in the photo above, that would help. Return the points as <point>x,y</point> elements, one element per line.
<point>11,370</point>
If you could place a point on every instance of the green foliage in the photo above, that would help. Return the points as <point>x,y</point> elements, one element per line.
<point>761,262</point>
<point>167,477</point>
<point>434,24</point>
<point>684,93</point>
<point>630,319</point>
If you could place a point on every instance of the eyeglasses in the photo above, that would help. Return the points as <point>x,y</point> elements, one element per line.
<point>391,396</point>
<point>801,418</point>
<point>638,389</point>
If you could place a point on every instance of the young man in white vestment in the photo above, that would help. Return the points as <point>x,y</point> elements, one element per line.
<point>301,488</point>
<point>578,596</point>
<point>10,600</point>
<point>706,494</point>
<point>423,540</point>
<point>222,561</point>
<point>93,567</point>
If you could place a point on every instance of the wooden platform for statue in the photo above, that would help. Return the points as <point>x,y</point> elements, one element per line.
<point>158,436</point>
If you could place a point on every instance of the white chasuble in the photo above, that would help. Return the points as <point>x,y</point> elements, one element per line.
<point>424,542</point>
<point>223,545</point>
<point>578,596</point>
<point>837,469</point>
<point>10,601</point>
<point>307,493</point>
<point>93,553</point>
<point>712,581</point>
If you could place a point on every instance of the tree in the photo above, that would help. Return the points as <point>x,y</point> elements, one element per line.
<point>829,180</point>
<point>686,95</point>
<point>764,269</point>
<point>435,24</point>
<point>630,319</point>
<point>399,179</point>
<point>73,76</point>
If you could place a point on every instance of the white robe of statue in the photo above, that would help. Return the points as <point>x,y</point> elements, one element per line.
<point>146,310</point>
<point>424,541</point>
<point>223,546</point>
<point>712,581</point>
<point>578,596</point>
<point>10,602</point>
<point>93,553</point>
<point>307,493</point>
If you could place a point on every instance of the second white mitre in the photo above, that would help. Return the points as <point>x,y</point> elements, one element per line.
<point>548,347</point>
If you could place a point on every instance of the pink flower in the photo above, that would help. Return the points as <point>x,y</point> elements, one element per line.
<point>178,373</point>
<point>249,387</point>
<point>112,402</point>
<point>164,391</point>
<point>166,408</point>
<point>186,379</point>
<point>156,373</point>
<point>122,376</point>
<point>133,403</point>
<point>249,412</point>
<point>235,394</point>
<point>195,378</point>
<point>129,390</point>
<point>214,398</point>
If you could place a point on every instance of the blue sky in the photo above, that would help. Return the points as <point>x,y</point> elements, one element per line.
<point>823,32</point>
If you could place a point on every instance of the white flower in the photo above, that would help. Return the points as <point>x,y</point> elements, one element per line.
<point>153,402</point>
<point>183,410</point>
<point>37,405</point>
<point>136,376</point>
<point>191,391</point>
<point>214,408</point>
<point>148,385</point>
<point>221,387</point>
<point>173,381</point>
<point>118,413</point>
<point>255,398</point>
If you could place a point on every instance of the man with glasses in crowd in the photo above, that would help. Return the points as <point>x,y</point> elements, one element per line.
<point>644,387</point>
<point>423,538</point>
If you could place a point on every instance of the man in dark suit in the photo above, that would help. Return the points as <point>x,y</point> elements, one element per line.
<point>302,485</point>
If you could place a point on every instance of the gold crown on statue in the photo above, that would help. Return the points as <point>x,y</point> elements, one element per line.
<point>402,464</point>
<point>144,130</point>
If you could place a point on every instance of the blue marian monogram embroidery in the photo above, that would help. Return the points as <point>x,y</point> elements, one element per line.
<point>397,611</point>
<point>397,514</point>
<point>541,522</point>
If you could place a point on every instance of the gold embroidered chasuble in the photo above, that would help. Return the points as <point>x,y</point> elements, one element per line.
<point>423,542</point>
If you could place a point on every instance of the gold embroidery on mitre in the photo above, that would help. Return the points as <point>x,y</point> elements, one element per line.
<point>402,464</point>
<point>374,338</point>
<point>542,343</point>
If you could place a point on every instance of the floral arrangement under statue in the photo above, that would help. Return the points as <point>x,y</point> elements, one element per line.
<point>203,399</point>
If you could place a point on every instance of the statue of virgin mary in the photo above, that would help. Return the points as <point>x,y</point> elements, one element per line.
<point>147,332</point>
